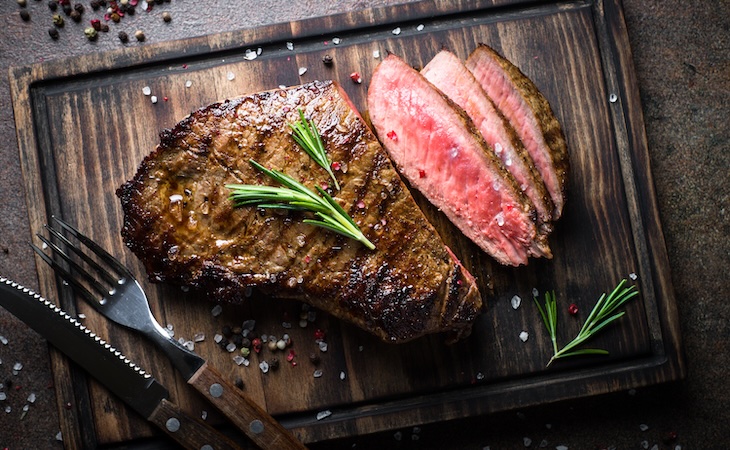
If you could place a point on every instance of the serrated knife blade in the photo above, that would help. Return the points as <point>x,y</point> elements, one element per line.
<point>109,366</point>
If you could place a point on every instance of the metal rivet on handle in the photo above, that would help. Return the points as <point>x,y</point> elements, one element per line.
<point>216,390</point>
<point>256,426</point>
<point>172,424</point>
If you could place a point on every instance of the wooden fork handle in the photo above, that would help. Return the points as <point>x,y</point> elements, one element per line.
<point>247,416</point>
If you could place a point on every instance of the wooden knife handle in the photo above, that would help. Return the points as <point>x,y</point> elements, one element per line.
<point>187,431</point>
<point>246,415</point>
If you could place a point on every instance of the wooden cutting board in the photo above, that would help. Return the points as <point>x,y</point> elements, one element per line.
<point>84,125</point>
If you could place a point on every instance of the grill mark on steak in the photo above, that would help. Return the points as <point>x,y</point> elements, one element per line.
<point>437,148</point>
<point>399,291</point>
<point>529,112</point>
<point>450,76</point>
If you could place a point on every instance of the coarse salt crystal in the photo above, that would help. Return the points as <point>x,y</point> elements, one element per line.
<point>317,373</point>
<point>419,27</point>
<point>146,90</point>
<point>376,54</point>
<point>59,437</point>
<point>612,98</point>
<point>3,396</point>
<point>18,366</point>
<point>516,301</point>
<point>527,441</point>
<point>336,40</point>
<point>322,346</point>
<point>543,443</point>
<point>190,345</point>
<point>218,338</point>
<point>8,409</point>
<point>480,376</point>
<point>561,447</point>
<point>231,76</point>
<point>199,337</point>
<point>264,366</point>
<point>302,71</point>
<point>4,340</point>
<point>290,46</point>
<point>645,444</point>
<point>250,54</point>
<point>523,336</point>
<point>499,218</point>
<point>643,427</point>
<point>153,99</point>
<point>31,397</point>
<point>342,375</point>
<point>324,414</point>
<point>396,31</point>
<point>239,360</point>
<point>633,276</point>
<point>188,83</point>
<point>535,292</point>
<point>204,415</point>
<point>216,311</point>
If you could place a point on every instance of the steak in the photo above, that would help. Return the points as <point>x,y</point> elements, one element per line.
<point>437,148</point>
<point>181,223</point>
<point>519,100</point>
<point>448,74</point>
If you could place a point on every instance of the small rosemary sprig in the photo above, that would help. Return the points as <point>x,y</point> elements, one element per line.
<point>603,313</point>
<point>306,135</point>
<point>296,196</point>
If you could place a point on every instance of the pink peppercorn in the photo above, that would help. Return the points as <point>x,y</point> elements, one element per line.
<point>573,309</point>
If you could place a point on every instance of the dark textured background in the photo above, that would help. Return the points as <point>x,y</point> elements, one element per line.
<point>682,56</point>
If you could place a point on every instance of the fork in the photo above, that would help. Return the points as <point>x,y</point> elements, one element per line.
<point>119,297</point>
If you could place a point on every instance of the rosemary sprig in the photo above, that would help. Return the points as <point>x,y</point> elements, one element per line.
<point>603,313</point>
<point>296,196</point>
<point>307,136</point>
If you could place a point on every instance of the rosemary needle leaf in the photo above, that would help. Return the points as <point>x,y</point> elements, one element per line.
<point>306,135</point>
<point>295,196</point>
<point>602,314</point>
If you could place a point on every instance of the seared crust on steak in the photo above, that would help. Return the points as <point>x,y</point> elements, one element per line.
<point>180,221</point>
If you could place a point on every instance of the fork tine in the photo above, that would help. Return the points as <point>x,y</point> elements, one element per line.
<point>65,274</point>
<point>90,261</point>
<point>103,254</point>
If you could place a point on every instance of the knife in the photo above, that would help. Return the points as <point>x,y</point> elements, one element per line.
<point>110,367</point>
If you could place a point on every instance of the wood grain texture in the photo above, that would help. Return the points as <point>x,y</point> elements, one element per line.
<point>84,125</point>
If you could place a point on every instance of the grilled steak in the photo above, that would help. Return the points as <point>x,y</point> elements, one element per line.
<point>180,221</point>
<point>437,148</point>
<point>519,100</point>
<point>450,76</point>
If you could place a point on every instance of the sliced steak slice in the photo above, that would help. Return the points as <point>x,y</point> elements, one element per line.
<point>180,221</point>
<point>437,148</point>
<point>519,100</point>
<point>450,76</point>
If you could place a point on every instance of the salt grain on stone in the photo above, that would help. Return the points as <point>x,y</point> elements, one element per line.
<point>324,414</point>
<point>290,46</point>
<point>250,54</point>
<point>516,301</point>
<point>633,276</point>
<point>153,99</point>
<point>524,336</point>
<point>302,71</point>
<point>419,27</point>
<point>396,31</point>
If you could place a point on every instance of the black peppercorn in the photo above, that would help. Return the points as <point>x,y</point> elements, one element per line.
<point>53,33</point>
<point>25,15</point>
<point>95,5</point>
<point>104,27</point>
<point>246,342</point>
<point>139,35</point>
<point>239,382</point>
<point>79,7</point>
<point>226,331</point>
<point>314,358</point>
<point>327,60</point>
<point>52,5</point>
<point>123,37</point>
<point>223,343</point>
<point>130,10</point>
<point>75,16</point>
<point>166,16</point>
<point>274,363</point>
<point>66,8</point>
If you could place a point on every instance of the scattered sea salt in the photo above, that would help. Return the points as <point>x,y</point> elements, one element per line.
<point>204,415</point>
<point>4,340</point>
<point>419,27</point>
<point>231,76</point>
<point>250,54</point>
<point>398,436</point>
<point>336,40</point>
<point>527,441</point>
<point>199,337</point>
<point>146,90</point>
<point>499,218</point>
<point>633,276</point>
<point>290,46</point>
<point>8,409</point>
<point>516,301</point>
<point>188,83</point>
<point>322,346</point>
<point>216,311</point>
<point>3,396</point>
<point>396,31</point>
<point>317,373</point>
<point>190,345</point>
<point>376,54</point>
<point>31,397</point>
<point>18,366</point>
<point>239,360</point>
<point>480,376</point>
<point>153,99</point>
<point>59,437</point>
<point>643,427</point>
<point>535,292</point>
<point>264,366</point>
<point>249,324</point>
<point>543,443</point>
<point>324,414</point>
<point>342,375</point>
<point>302,71</point>
<point>612,98</point>
<point>524,336</point>
<point>218,338</point>
<point>645,444</point>
<point>561,447</point>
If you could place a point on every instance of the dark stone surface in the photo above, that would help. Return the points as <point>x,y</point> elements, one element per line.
<point>682,56</point>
